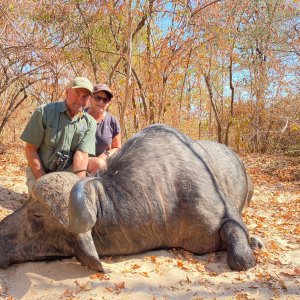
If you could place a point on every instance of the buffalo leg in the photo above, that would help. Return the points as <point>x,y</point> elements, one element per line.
<point>239,254</point>
<point>256,243</point>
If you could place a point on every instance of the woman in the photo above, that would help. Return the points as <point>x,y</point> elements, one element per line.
<point>108,136</point>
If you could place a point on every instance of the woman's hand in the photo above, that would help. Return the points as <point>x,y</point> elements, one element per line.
<point>96,164</point>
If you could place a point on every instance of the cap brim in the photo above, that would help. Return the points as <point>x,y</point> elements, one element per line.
<point>82,87</point>
<point>104,90</point>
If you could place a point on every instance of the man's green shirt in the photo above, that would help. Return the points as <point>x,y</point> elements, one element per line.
<point>52,130</point>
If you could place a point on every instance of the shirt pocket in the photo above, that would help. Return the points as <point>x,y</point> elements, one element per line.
<point>50,136</point>
<point>77,138</point>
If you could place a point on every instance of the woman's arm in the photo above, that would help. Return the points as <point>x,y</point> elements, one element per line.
<point>99,163</point>
<point>115,146</point>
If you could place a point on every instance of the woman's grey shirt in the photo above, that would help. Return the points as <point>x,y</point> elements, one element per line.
<point>106,130</point>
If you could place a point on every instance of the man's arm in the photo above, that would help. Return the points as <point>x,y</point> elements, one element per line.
<point>80,163</point>
<point>34,161</point>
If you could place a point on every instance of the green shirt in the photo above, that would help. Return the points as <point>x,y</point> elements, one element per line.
<point>52,130</point>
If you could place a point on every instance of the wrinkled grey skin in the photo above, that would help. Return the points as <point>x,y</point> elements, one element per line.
<point>161,190</point>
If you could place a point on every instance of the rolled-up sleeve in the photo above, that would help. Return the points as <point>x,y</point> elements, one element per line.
<point>116,129</point>
<point>34,131</point>
<point>88,142</point>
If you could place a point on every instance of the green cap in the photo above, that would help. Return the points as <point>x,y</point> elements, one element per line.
<point>81,82</point>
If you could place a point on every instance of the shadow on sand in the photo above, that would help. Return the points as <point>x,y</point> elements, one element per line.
<point>11,200</point>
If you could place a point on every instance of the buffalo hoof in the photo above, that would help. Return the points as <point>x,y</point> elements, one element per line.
<point>95,265</point>
<point>256,243</point>
<point>240,256</point>
<point>91,262</point>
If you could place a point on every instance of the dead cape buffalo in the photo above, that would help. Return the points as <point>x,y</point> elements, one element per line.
<point>161,190</point>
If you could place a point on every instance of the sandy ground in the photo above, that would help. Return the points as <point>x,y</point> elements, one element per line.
<point>171,274</point>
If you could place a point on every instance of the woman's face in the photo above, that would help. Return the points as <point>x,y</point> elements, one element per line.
<point>100,101</point>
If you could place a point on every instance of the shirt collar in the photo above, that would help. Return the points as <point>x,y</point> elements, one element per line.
<point>62,106</point>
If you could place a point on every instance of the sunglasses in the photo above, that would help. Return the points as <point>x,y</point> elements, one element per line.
<point>104,99</point>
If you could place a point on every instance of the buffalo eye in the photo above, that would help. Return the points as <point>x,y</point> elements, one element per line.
<point>37,216</point>
<point>37,222</point>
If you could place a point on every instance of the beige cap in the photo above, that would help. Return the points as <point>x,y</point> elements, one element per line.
<point>81,83</point>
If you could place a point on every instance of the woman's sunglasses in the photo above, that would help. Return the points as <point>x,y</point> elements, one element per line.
<point>104,99</point>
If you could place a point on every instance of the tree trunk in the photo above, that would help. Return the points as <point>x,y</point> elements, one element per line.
<point>213,105</point>
<point>151,115</point>
<point>135,114</point>
<point>128,66</point>
<point>230,118</point>
<point>183,85</point>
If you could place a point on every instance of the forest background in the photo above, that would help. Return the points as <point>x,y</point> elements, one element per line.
<point>221,70</point>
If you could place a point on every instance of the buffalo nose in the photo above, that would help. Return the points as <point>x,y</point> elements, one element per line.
<point>4,262</point>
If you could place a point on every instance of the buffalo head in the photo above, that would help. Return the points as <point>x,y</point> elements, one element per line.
<point>40,229</point>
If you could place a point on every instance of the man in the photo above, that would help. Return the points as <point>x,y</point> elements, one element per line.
<point>61,135</point>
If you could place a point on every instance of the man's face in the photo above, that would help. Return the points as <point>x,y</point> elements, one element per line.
<point>77,100</point>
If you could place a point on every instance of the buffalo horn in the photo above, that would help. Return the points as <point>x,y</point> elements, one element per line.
<point>82,206</point>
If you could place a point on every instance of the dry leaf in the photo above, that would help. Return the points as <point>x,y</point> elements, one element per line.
<point>295,271</point>
<point>297,229</point>
<point>241,296</point>
<point>273,245</point>
<point>188,255</point>
<point>145,274</point>
<point>200,268</point>
<point>111,290</point>
<point>135,266</point>
<point>240,279</point>
<point>181,265</point>
<point>153,259</point>
<point>69,293</point>
<point>282,284</point>
<point>100,276</point>
<point>120,285</point>
<point>83,286</point>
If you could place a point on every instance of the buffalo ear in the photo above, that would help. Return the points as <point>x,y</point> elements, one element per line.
<point>53,190</point>
<point>82,206</point>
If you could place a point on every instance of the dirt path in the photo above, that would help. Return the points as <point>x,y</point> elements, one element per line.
<point>273,215</point>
